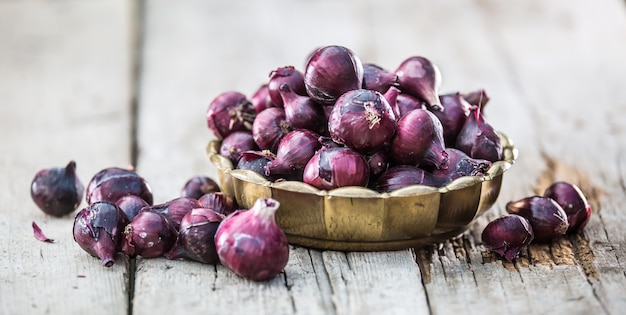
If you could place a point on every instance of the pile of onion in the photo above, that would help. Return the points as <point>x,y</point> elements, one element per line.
<point>341,122</point>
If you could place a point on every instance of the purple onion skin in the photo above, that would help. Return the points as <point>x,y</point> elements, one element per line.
<point>453,116</point>
<point>197,186</point>
<point>377,78</point>
<point>294,152</point>
<point>111,184</point>
<point>332,168</point>
<point>131,205</point>
<point>507,235</point>
<point>235,143</point>
<point>419,77</point>
<point>460,164</point>
<point>573,202</point>
<point>478,139</point>
<point>255,161</point>
<point>419,140</point>
<point>332,71</point>
<point>174,210</point>
<point>407,103</point>
<point>196,237</point>
<point>230,112</point>
<point>401,176</point>
<point>477,98</point>
<point>378,163</point>
<point>301,111</point>
<point>150,234</point>
<point>251,244</point>
<point>547,218</point>
<point>362,120</point>
<point>219,203</point>
<point>261,99</point>
<point>98,230</point>
<point>269,127</point>
<point>57,191</point>
<point>285,75</point>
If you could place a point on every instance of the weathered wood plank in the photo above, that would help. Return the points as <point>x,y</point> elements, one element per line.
<point>65,94</point>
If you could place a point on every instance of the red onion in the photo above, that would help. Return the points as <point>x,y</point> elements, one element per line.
<point>378,79</point>
<point>197,186</point>
<point>332,168</point>
<point>547,218</point>
<point>131,205</point>
<point>230,112</point>
<point>98,230</point>
<point>261,99</point>
<point>378,163</point>
<point>235,143</point>
<point>255,161</point>
<point>251,244</point>
<point>573,202</point>
<point>219,202</point>
<point>507,235</point>
<point>174,210</point>
<point>196,237</point>
<point>460,164</point>
<point>362,120</point>
<point>57,191</point>
<point>453,116</point>
<point>150,234</point>
<point>419,140</point>
<point>477,98</point>
<point>285,75</point>
<point>402,103</point>
<point>419,77</point>
<point>111,184</point>
<point>332,71</point>
<point>269,127</point>
<point>478,139</point>
<point>294,151</point>
<point>301,111</point>
<point>400,176</point>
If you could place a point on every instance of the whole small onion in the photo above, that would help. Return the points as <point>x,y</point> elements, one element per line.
<point>478,139</point>
<point>453,116</point>
<point>269,127</point>
<point>547,218</point>
<point>419,77</point>
<point>150,234</point>
<point>363,120</point>
<point>57,191</point>
<point>460,164</point>
<point>230,112</point>
<point>402,103</point>
<point>294,152</point>
<point>250,243</point>
<point>377,78</point>
<point>174,210</point>
<point>477,98</point>
<point>235,143</point>
<point>419,140</point>
<point>573,202</point>
<point>196,237</point>
<point>285,75</point>
<point>255,161</point>
<point>301,111</point>
<point>219,202</point>
<point>98,230</point>
<point>261,99</point>
<point>507,235</point>
<point>378,163</point>
<point>197,186</point>
<point>401,176</point>
<point>111,184</point>
<point>131,205</point>
<point>332,71</point>
<point>336,167</point>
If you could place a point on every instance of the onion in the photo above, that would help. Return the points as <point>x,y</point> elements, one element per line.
<point>219,202</point>
<point>419,77</point>
<point>285,75</point>
<point>294,151</point>
<point>400,176</point>
<point>131,205</point>
<point>336,167</point>
<point>150,234</point>
<point>251,244</point>
<point>378,163</point>
<point>362,120</point>
<point>478,139</point>
<point>507,235</point>
<point>57,191</point>
<point>111,184</point>
<point>573,202</point>
<point>230,112</point>
<point>269,127</point>
<point>419,140</point>
<point>477,98</point>
<point>235,143</point>
<point>255,161</point>
<point>453,116</point>
<point>460,164</point>
<point>547,218</point>
<point>332,71</point>
<point>196,237</point>
<point>197,186</point>
<point>174,210</point>
<point>261,99</point>
<point>301,111</point>
<point>378,79</point>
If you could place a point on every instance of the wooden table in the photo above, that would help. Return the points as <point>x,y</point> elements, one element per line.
<point>117,83</point>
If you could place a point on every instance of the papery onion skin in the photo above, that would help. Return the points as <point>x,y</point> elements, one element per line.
<point>419,140</point>
<point>199,185</point>
<point>573,202</point>
<point>336,167</point>
<point>401,176</point>
<point>285,75</point>
<point>269,127</point>
<point>548,219</point>
<point>57,191</point>
<point>251,244</point>
<point>507,235</point>
<point>229,112</point>
<point>332,71</point>
<point>196,237</point>
<point>419,77</point>
<point>235,143</point>
<point>294,152</point>
<point>377,78</point>
<point>362,120</point>
<point>150,234</point>
<point>453,116</point>
<point>477,98</point>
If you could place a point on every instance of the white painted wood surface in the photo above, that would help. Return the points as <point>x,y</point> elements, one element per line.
<point>554,70</point>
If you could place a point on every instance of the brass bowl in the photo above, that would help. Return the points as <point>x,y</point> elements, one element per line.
<point>360,219</point>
